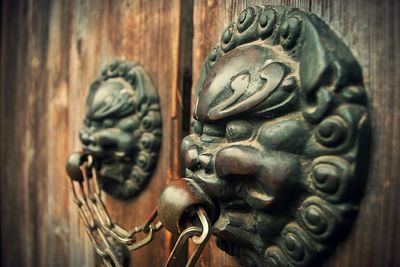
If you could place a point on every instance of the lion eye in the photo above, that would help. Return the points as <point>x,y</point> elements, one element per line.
<point>129,124</point>
<point>107,123</point>
<point>238,130</point>
<point>95,124</point>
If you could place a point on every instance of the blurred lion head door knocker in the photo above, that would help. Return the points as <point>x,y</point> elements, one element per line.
<point>122,128</point>
<point>280,127</point>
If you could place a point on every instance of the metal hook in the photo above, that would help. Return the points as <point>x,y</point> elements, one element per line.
<point>198,235</point>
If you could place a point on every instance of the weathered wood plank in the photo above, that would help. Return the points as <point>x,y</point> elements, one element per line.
<point>60,234</point>
<point>372,31</point>
<point>150,34</point>
<point>24,118</point>
<point>50,53</point>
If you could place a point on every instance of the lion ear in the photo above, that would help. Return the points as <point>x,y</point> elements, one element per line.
<point>324,56</point>
<point>145,90</point>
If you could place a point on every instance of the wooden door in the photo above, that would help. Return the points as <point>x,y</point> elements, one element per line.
<point>51,50</point>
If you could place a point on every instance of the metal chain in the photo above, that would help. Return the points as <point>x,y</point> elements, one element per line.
<point>102,245</point>
<point>199,237</point>
<point>102,230</point>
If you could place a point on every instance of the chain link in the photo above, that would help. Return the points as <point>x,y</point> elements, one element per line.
<point>97,221</point>
<point>107,235</point>
<point>199,237</point>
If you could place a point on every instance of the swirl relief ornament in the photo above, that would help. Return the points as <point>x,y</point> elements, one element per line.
<point>280,138</point>
<point>123,128</point>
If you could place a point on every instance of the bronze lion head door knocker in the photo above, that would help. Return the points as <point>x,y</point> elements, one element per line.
<point>122,128</point>
<point>276,163</point>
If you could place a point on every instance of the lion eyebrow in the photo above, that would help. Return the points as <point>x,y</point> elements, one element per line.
<point>117,105</point>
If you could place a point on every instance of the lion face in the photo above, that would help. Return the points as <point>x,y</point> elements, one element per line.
<point>248,166</point>
<point>241,154</point>
<point>110,123</point>
<point>122,128</point>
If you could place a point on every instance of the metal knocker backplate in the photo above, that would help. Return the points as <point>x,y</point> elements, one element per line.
<point>122,128</point>
<point>280,136</point>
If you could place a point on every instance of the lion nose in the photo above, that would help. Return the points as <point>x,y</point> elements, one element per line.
<point>236,162</point>
<point>192,158</point>
<point>86,138</point>
<point>206,162</point>
<point>107,139</point>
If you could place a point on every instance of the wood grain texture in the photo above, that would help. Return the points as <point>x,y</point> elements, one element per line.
<point>371,29</point>
<point>50,53</point>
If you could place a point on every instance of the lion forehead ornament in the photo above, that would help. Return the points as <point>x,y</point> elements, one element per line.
<point>279,126</point>
<point>123,128</point>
